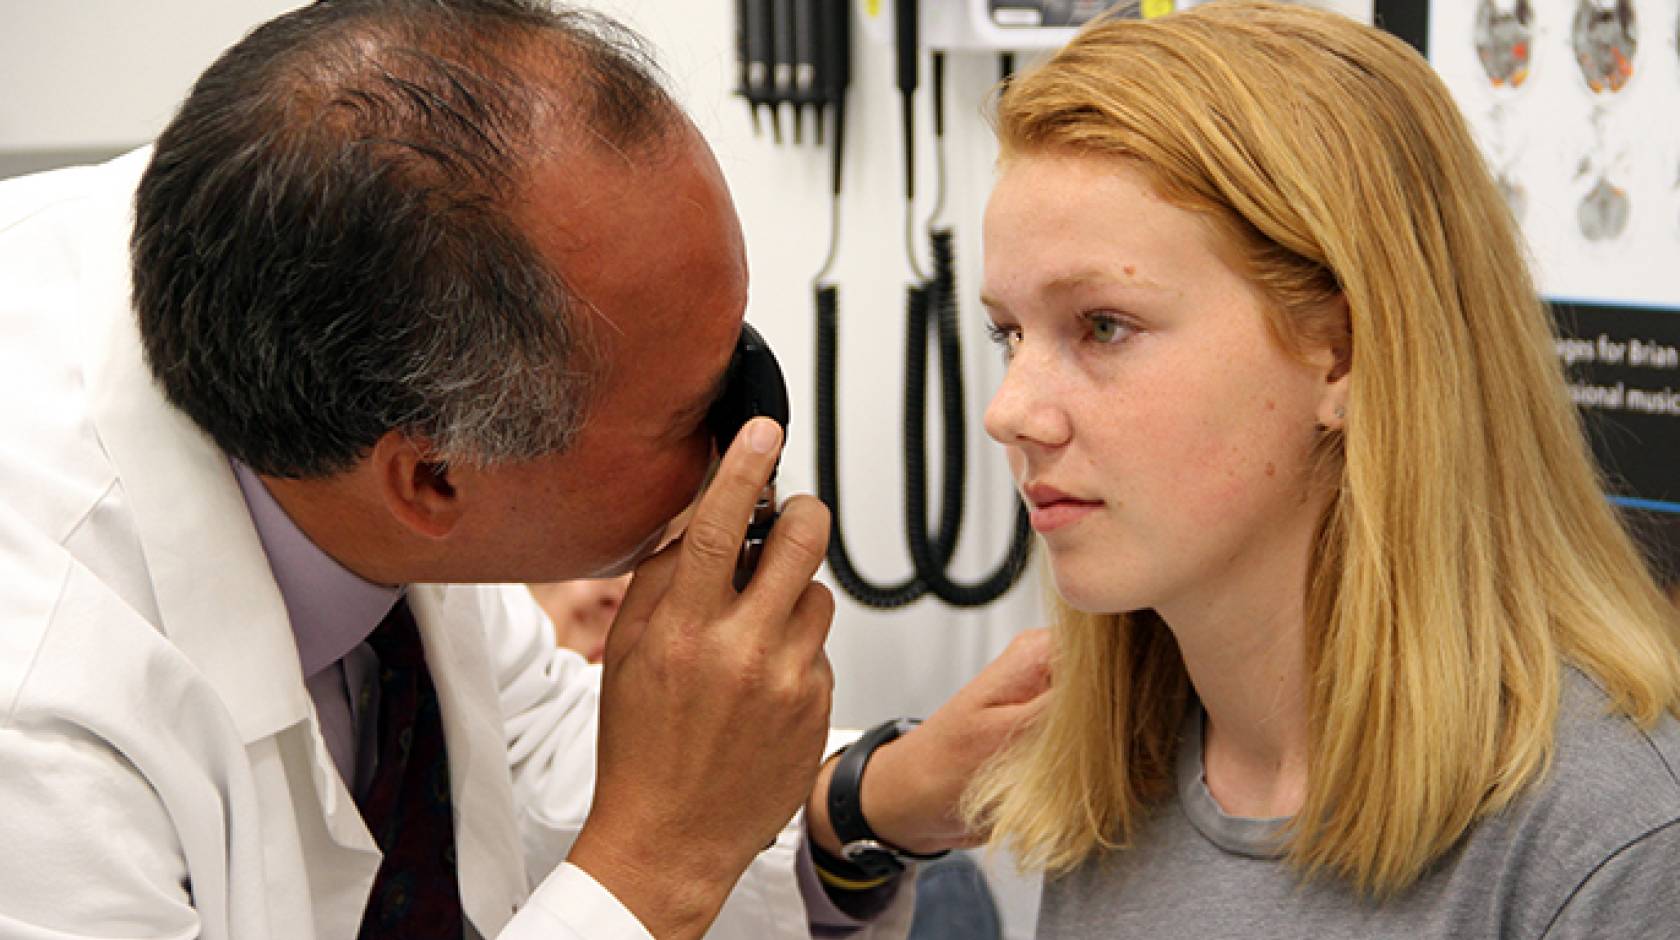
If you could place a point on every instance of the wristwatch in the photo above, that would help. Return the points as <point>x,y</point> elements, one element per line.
<point>874,856</point>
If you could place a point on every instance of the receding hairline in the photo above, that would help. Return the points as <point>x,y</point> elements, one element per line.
<point>566,66</point>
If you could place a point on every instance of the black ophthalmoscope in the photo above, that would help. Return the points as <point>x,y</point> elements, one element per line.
<point>753,386</point>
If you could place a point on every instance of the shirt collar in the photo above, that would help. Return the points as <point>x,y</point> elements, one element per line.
<point>1248,837</point>
<point>332,608</point>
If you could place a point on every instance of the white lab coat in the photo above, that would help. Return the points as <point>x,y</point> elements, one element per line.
<point>162,771</point>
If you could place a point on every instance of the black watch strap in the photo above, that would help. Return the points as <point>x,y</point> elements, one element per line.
<point>876,857</point>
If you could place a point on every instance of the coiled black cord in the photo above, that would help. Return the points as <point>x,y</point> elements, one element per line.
<point>846,575</point>
<point>932,561</point>
<point>931,306</point>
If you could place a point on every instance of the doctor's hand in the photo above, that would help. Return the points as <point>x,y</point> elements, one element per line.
<point>714,705</point>
<point>912,785</point>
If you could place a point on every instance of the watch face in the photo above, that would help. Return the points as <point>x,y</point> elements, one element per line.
<point>1504,37</point>
<point>1605,37</point>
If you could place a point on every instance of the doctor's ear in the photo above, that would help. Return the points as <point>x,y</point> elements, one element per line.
<point>415,485</point>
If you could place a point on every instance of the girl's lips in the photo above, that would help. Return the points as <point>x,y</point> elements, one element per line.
<point>1049,517</point>
<point>1053,509</point>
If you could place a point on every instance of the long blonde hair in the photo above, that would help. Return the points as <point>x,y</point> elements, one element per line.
<point>1468,552</point>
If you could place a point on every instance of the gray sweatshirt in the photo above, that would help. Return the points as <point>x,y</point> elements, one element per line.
<point>1592,850</point>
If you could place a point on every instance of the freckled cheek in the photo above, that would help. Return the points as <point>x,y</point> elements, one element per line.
<point>659,496</point>
<point>1270,459</point>
<point>1205,468</point>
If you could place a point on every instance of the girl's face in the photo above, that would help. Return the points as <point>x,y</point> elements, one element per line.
<point>583,611</point>
<point>1160,435</point>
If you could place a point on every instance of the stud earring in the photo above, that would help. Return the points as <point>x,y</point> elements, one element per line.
<point>1341,412</point>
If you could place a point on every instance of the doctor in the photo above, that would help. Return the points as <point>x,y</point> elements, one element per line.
<point>419,293</point>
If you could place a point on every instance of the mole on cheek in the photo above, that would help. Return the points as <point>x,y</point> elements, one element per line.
<point>1271,469</point>
<point>1271,405</point>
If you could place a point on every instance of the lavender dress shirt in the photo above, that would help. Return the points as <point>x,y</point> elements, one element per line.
<point>333,611</point>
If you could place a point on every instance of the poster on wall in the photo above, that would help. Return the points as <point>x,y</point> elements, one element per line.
<point>1576,105</point>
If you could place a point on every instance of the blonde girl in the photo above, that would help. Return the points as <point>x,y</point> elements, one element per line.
<point>1349,641</point>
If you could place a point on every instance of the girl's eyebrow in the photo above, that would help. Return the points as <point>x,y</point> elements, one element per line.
<point>1086,277</point>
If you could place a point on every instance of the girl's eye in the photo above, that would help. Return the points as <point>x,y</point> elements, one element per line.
<point>1107,329</point>
<point>1005,338</point>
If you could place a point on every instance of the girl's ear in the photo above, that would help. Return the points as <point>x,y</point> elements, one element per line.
<point>1332,408</point>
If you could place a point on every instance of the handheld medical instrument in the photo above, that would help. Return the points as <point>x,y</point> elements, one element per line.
<point>794,53</point>
<point>753,386</point>
<point>752,32</point>
<point>804,63</point>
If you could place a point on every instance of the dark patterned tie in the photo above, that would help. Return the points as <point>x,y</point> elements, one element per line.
<point>406,805</point>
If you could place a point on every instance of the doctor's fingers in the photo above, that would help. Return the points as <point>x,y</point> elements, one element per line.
<point>793,673</point>
<point>1022,672</point>
<point>649,585</point>
<point>792,554</point>
<point>782,608</point>
<point>702,584</point>
<point>806,631</point>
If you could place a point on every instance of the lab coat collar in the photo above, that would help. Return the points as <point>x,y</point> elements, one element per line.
<point>217,600</point>
<point>219,604</point>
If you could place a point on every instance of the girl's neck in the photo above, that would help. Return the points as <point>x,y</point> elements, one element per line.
<point>1248,667</point>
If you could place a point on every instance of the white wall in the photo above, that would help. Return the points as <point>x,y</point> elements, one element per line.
<point>102,74</point>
